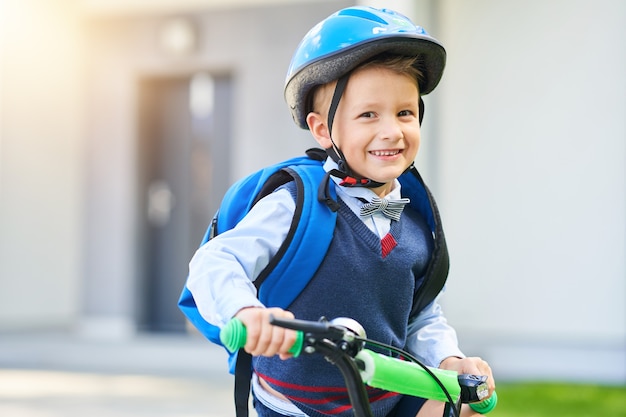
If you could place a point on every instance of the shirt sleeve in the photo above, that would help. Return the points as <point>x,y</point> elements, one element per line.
<point>222,271</point>
<point>430,338</point>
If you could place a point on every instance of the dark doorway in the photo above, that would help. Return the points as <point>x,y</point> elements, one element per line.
<point>184,152</point>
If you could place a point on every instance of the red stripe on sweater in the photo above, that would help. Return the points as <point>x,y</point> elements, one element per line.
<point>388,243</point>
<point>306,388</point>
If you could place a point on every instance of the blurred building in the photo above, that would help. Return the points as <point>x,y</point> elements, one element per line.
<point>123,121</point>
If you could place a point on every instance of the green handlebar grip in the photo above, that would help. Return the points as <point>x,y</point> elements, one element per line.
<point>405,377</point>
<point>233,336</point>
<point>485,406</point>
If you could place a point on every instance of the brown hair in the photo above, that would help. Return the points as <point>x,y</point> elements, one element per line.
<point>403,65</point>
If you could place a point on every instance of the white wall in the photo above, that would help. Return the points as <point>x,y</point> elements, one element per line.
<point>532,182</point>
<point>40,163</point>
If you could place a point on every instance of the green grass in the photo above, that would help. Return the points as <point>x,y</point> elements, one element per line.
<point>559,399</point>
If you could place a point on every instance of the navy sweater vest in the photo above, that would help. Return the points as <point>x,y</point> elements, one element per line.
<point>364,278</point>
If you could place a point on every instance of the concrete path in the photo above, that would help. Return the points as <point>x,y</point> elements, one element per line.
<point>57,375</point>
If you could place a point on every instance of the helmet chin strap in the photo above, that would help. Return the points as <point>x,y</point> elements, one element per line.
<point>343,171</point>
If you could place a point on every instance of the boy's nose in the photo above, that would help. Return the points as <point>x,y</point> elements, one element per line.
<point>391,129</point>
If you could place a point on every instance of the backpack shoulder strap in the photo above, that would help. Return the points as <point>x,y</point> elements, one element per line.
<point>437,271</point>
<point>307,242</point>
<point>294,265</point>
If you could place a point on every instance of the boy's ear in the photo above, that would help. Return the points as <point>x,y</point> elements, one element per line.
<point>319,130</point>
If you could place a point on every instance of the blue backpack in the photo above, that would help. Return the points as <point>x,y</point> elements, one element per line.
<point>297,260</point>
<point>290,269</point>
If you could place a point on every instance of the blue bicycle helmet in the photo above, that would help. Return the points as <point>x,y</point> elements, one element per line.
<point>349,37</point>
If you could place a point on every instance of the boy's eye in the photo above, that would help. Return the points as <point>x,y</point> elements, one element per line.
<point>405,113</point>
<point>368,114</point>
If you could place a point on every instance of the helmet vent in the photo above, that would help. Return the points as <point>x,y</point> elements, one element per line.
<point>365,14</point>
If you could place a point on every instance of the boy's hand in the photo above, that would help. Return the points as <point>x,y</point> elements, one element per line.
<point>473,366</point>
<point>263,338</point>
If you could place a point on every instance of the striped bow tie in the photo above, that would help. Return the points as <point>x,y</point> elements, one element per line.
<point>390,208</point>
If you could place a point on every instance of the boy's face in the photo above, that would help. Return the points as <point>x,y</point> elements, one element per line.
<point>376,125</point>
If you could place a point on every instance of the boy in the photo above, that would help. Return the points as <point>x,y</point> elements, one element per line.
<point>356,83</point>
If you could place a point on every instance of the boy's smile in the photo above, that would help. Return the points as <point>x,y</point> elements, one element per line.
<point>377,124</point>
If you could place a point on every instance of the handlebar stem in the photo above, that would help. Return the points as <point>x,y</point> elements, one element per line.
<point>356,388</point>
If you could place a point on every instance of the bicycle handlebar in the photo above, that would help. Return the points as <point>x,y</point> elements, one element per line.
<point>384,372</point>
